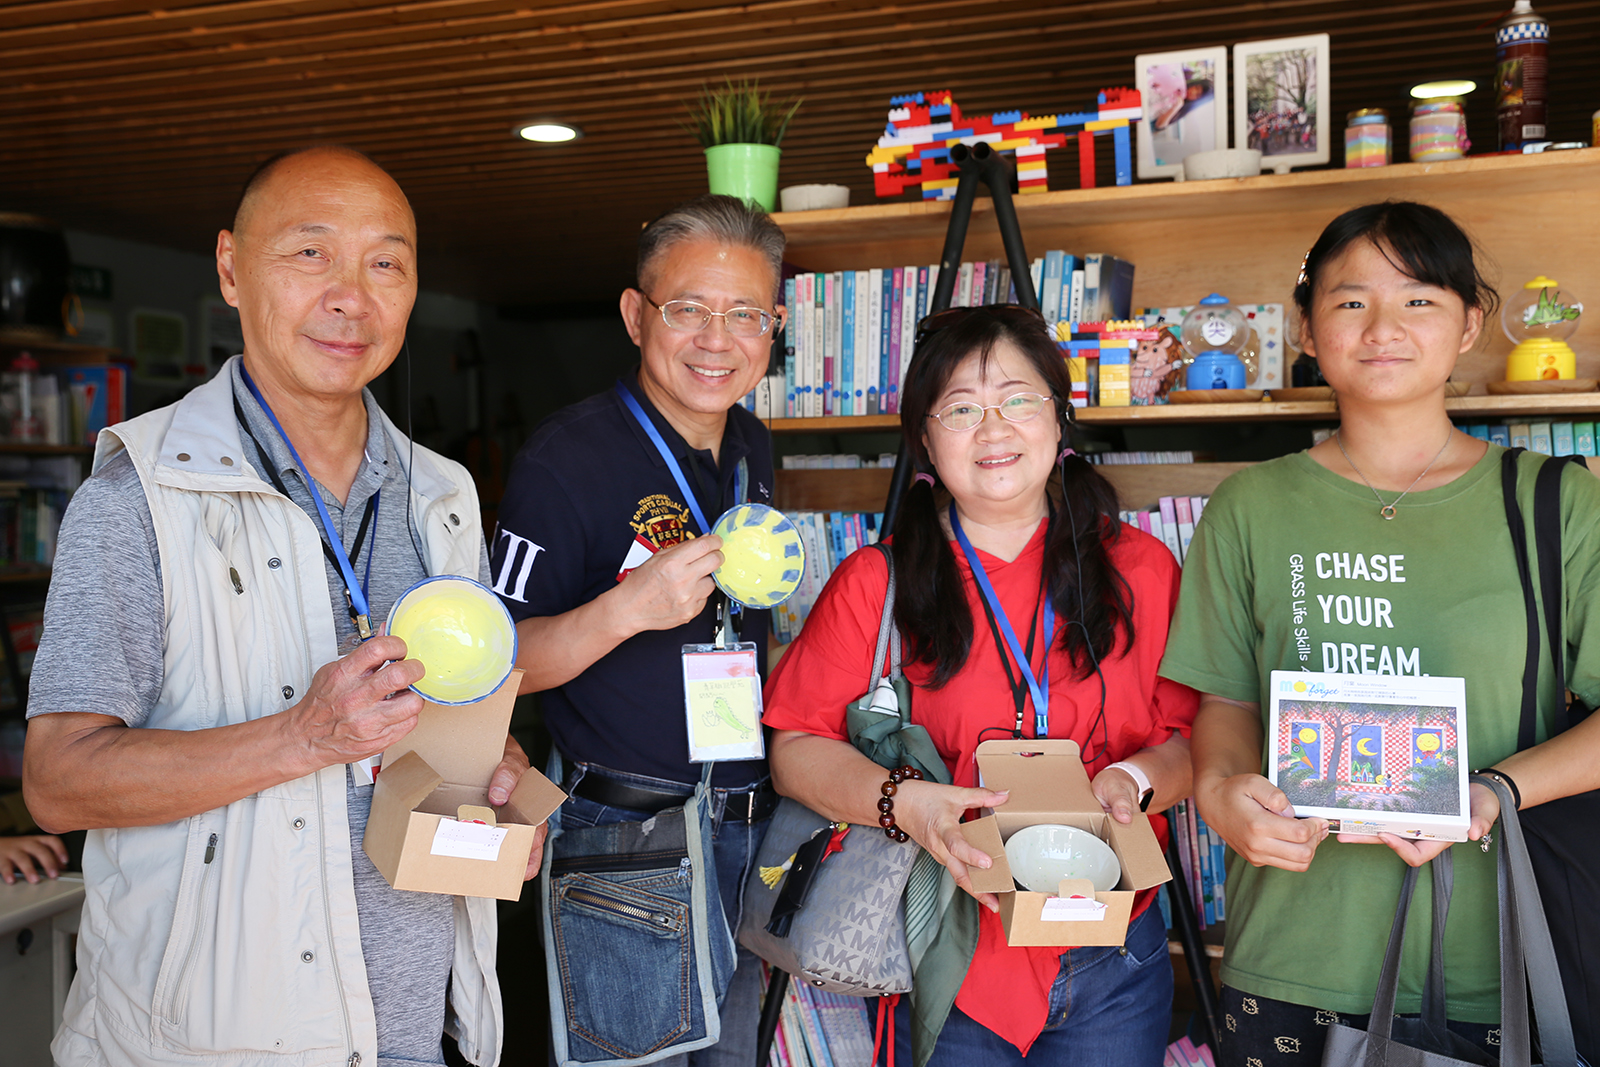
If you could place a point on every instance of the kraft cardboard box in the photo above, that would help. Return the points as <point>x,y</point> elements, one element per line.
<point>414,836</point>
<point>1048,784</point>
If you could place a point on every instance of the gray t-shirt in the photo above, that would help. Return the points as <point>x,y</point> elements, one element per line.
<point>105,607</point>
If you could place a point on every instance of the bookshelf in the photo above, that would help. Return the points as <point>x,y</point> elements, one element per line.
<point>1244,237</point>
<point>23,585</point>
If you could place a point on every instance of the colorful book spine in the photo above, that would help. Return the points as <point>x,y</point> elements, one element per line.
<point>1583,438</point>
<point>1500,435</point>
<point>886,293</point>
<point>897,311</point>
<point>791,331</point>
<point>847,344</point>
<point>1539,438</point>
<point>1561,439</point>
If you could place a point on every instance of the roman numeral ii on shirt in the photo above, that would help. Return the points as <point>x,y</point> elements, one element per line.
<point>517,558</point>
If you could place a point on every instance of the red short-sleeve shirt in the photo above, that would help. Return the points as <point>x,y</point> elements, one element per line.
<point>1006,989</point>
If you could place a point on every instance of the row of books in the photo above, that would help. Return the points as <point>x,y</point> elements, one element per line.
<point>1202,855</point>
<point>850,333</point>
<point>1171,522</point>
<point>818,1029</point>
<point>30,520</point>
<point>837,462</point>
<point>1185,1053</point>
<point>829,537</point>
<point>1550,438</point>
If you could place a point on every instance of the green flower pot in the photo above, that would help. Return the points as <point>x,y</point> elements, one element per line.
<point>748,171</point>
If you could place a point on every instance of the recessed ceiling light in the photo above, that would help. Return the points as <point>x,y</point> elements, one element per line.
<point>1444,87</point>
<point>548,132</point>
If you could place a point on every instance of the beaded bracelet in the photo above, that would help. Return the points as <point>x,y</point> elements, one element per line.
<point>886,802</point>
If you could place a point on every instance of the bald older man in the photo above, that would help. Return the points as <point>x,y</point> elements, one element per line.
<point>203,700</point>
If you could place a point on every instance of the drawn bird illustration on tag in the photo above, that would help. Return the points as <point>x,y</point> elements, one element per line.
<point>721,711</point>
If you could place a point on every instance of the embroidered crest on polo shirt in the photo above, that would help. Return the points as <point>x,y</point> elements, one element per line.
<point>658,522</point>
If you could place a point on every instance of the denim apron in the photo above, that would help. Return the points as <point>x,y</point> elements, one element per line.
<point>637,948</point>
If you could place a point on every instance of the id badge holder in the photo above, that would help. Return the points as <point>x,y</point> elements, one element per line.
<point>722,699</point>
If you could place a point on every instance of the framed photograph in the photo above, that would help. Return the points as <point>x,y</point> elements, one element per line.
<point>1185,99</point>
<point>1280,100</point>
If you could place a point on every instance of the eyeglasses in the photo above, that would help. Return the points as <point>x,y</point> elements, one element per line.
<point>964,415</point>
<point>940,320</point>
<point>691,317</point>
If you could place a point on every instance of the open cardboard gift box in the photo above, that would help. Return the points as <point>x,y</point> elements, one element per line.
<point>1048,784</point>
<point>414,837</point>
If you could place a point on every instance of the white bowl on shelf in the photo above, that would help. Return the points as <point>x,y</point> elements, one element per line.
<point>1041,856</point>
<point>1222,163</point>
<point>813,197</point>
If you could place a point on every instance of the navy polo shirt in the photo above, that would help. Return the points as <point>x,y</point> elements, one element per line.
<point>587,499</point>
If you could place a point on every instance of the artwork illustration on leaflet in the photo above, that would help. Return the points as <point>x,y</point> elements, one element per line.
<point>658,522</point>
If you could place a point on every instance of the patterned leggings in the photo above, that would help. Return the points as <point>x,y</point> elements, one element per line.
<point>1262,1032</point>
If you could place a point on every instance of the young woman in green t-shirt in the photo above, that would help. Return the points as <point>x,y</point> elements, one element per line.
<point>1389,297</point>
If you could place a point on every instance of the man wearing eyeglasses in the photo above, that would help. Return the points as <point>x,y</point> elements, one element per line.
<point>605,562</point>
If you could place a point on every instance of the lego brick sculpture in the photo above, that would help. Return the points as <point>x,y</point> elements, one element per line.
<point>915,147</point>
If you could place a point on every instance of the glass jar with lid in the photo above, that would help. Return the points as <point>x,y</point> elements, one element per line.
<point>1438,129</point>
<point>1367,139</point>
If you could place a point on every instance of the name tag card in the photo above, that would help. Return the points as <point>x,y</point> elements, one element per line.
<point>467,840</point>
<point>722,699</point>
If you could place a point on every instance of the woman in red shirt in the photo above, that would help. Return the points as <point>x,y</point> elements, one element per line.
<point>1087,603</point>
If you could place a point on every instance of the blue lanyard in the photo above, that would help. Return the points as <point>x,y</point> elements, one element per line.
<point>1038,687</point>
<point>666,454</point>
<point>356,591</point>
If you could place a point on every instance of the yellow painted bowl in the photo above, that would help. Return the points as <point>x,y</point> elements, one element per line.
<point>460,632</point>
<point>763,556</point>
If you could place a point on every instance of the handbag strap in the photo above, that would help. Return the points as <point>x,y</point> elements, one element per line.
<point>1382,1018</point>
<point>1528,968</point>
<point>1519,546</point>
<point>1547,545</point>
<point>888,632</point>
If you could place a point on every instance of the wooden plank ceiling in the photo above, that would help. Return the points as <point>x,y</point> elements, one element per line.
<point>141,122</point>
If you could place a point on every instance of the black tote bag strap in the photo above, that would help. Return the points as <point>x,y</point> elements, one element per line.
<point>1528,970</point>
<point>1519,545</point>
<point>1547,546</point>
<point>1433,993</point>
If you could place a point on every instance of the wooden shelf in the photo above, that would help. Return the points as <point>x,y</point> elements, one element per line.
<point>836,424</point>
<point>56,351</point>
<point>1139,485</point>
<point>20,448</point>
<point>1245,236</point>
<point>24,573</point>
<point>1485,406</point>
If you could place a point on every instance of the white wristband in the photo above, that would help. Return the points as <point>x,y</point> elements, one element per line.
<point>1140,779</point>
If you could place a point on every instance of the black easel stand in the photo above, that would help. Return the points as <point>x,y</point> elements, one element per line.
<point>979,163</point>
<point>1194,952</point>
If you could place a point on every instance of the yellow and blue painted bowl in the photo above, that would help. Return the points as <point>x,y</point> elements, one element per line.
<point>763,556</point>
<point>461,633</point>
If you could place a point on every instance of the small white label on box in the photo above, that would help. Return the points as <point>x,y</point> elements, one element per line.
<point>1072,910</point>
<point>467,840</point>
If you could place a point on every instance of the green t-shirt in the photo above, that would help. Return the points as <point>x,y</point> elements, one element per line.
<point>1292,568</point>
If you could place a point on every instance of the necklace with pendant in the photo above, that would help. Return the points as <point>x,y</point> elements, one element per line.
<point>1388,510</point>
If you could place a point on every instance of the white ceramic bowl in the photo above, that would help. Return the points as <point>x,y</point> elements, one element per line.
<point>813,197</point>
<point>1222,163</point>
<point>1040,856</point>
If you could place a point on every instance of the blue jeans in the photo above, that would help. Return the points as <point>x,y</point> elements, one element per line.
<point>734,846</point>
<point>1109,1007</point>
